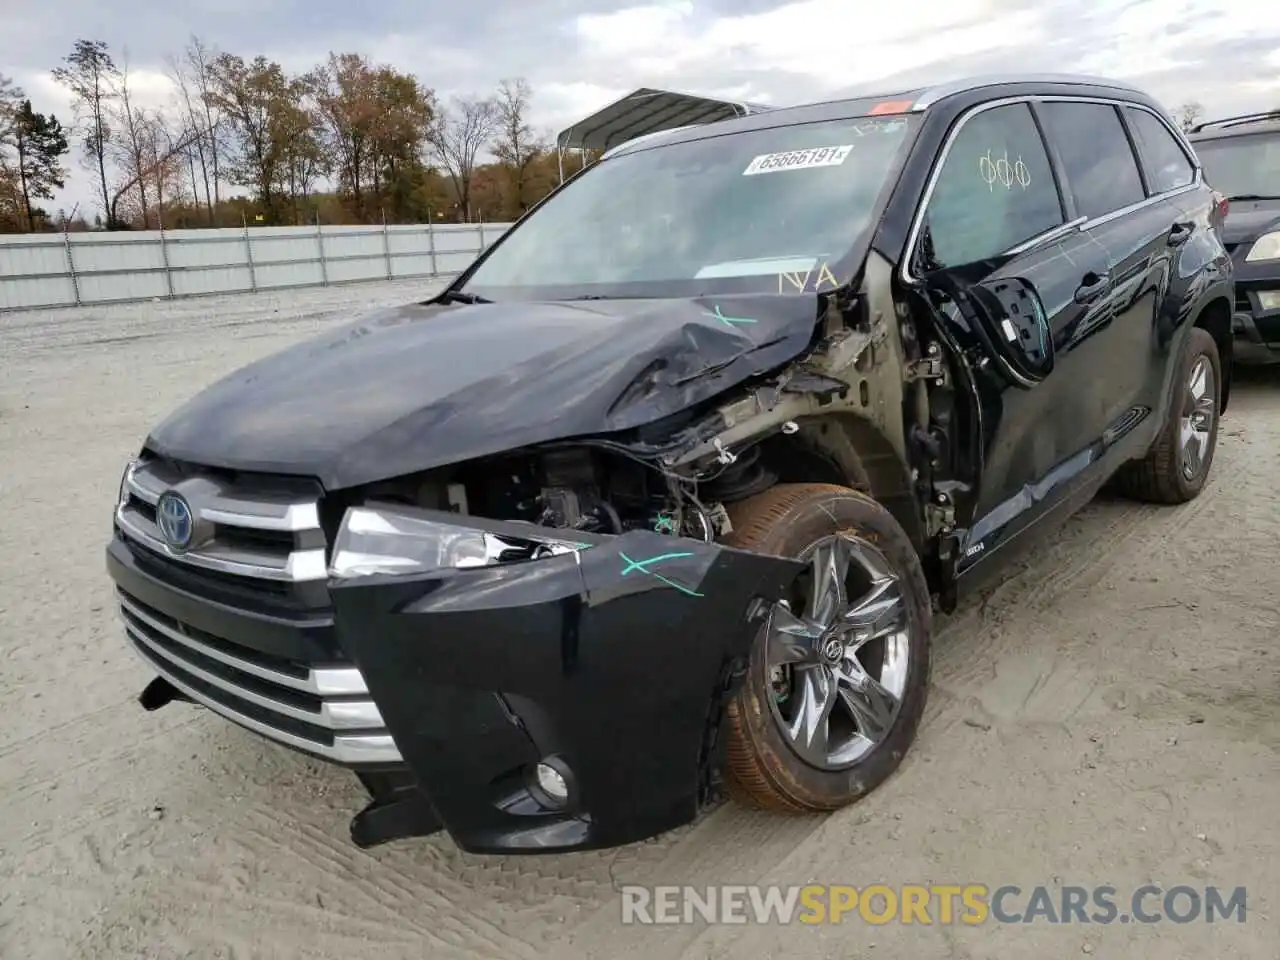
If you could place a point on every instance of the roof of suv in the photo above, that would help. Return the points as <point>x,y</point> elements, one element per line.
<point>920,99</point>
<point>1268,122</point>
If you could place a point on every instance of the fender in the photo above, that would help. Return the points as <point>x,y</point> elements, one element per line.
<point>1212,285</point>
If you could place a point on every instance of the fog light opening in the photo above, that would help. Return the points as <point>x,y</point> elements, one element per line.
<point>552,783</point>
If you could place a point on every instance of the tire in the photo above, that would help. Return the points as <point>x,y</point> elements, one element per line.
<point>1159,477</point>
<point>765,768</point>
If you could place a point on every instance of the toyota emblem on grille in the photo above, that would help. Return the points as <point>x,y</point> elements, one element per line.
<point>174,519</point>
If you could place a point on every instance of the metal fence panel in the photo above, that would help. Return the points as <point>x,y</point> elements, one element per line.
<point>57,270</point>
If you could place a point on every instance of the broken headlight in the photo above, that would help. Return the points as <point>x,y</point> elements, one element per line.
<point>382,540</point>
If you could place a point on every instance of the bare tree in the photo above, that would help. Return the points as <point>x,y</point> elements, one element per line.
<point>91,74</point>
<point>456,138</point>
<point>1189,114</point>
<point>516,146</point>
<point>199,60</point>
<point>133,152</point>
<point>186,79</point>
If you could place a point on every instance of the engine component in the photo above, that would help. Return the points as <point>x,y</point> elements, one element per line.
<point>744,478</point>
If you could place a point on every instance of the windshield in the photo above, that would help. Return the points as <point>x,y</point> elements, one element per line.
<point>729,213</point>
<point>1242,166</point>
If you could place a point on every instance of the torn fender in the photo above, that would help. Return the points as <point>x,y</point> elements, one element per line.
<point>608,659</point>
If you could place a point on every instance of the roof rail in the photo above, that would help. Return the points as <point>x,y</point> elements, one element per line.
<point>1237,121</point>
<point>939,91</point>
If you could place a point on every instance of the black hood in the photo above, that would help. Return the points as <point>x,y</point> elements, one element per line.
<point>1247,220</point>
<point>424,385</point>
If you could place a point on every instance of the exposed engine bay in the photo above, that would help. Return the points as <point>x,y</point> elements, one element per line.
<point>596,487</point>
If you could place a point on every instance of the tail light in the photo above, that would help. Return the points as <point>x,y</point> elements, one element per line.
<point>1220,205</point>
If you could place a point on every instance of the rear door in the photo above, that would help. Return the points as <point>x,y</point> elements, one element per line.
<point>1133,214</point>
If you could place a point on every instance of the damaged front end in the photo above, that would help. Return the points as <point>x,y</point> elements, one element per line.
<point>545,693</point>
<point>531,645</point>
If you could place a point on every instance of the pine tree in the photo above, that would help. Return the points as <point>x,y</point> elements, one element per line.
<point>41,144</point>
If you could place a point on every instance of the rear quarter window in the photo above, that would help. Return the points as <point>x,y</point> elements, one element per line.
<point>1163,159</point>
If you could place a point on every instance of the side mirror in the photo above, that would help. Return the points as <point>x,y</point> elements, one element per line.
<point>1016,326</point>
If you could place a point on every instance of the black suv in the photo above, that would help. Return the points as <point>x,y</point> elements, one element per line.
<point>662,491</point>
<point>1241,157</point>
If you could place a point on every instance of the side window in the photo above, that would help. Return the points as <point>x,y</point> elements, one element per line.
<point>1165,163</point>
<point>995,189</point>
<point>1096,157</point>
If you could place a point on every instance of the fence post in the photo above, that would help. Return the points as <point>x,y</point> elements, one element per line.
<point>324,267</point>
<point>431,244</point>
<point>71,265</point>
<point>386,243</point>
<point>248,250</point>
<point>481,234</point>
<point>164,258</point>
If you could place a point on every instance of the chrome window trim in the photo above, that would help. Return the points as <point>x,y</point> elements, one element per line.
<point>1081,223</point>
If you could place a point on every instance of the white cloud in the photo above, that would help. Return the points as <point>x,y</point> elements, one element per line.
<point>835,43</point>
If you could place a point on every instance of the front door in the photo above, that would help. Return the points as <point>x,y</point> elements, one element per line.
<point>996,219</point>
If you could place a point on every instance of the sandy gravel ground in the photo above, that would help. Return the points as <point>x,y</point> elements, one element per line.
<point>1107,715</point>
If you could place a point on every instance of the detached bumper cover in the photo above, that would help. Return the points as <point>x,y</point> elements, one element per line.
<point>610,660</point>
<point>613,660</point>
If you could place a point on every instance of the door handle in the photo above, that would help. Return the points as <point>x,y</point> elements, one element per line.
<point>1092,286</point>
<point>1180,234</point>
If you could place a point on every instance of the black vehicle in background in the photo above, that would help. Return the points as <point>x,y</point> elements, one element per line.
<point>666,486</point>
<point>1241,158</point>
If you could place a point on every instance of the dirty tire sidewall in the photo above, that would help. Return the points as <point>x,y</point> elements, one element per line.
<point>763,771</point>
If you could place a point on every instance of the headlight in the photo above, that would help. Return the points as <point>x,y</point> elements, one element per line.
<point>1266,247</point>
<point>383,540</point>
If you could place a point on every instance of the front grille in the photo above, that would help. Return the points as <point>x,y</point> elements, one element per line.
<point>261,539</point>
<point>270,534</point>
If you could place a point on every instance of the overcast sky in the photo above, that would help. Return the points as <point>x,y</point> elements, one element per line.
<point>581,54</point>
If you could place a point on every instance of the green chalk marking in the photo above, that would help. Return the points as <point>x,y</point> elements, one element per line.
<point>644,565</point>
<point>729,321</point>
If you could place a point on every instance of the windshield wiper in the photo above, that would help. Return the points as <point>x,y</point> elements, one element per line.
<point>1254,196</point>
<point>458,296</point>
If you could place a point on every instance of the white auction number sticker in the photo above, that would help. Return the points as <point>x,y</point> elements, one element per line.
<point>798,160</point>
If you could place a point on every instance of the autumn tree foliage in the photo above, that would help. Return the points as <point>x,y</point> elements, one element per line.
<point>246,141</point>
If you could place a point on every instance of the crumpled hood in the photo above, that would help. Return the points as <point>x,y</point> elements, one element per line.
<point>419,386</point>
<point>1249,219</point>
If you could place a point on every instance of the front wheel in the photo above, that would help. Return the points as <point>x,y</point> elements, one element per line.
<point>839,673</point>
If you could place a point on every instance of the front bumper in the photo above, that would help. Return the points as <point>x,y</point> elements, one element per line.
<point>616,674</point>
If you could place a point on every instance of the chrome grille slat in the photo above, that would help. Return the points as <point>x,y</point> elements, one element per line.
<point>366,748</point>
<point>228,510</point>
<point>332,715</point>
<point>320,681</point>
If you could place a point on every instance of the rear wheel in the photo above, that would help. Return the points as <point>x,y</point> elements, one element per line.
<point>1177,465</point>
<point>839,672</point>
